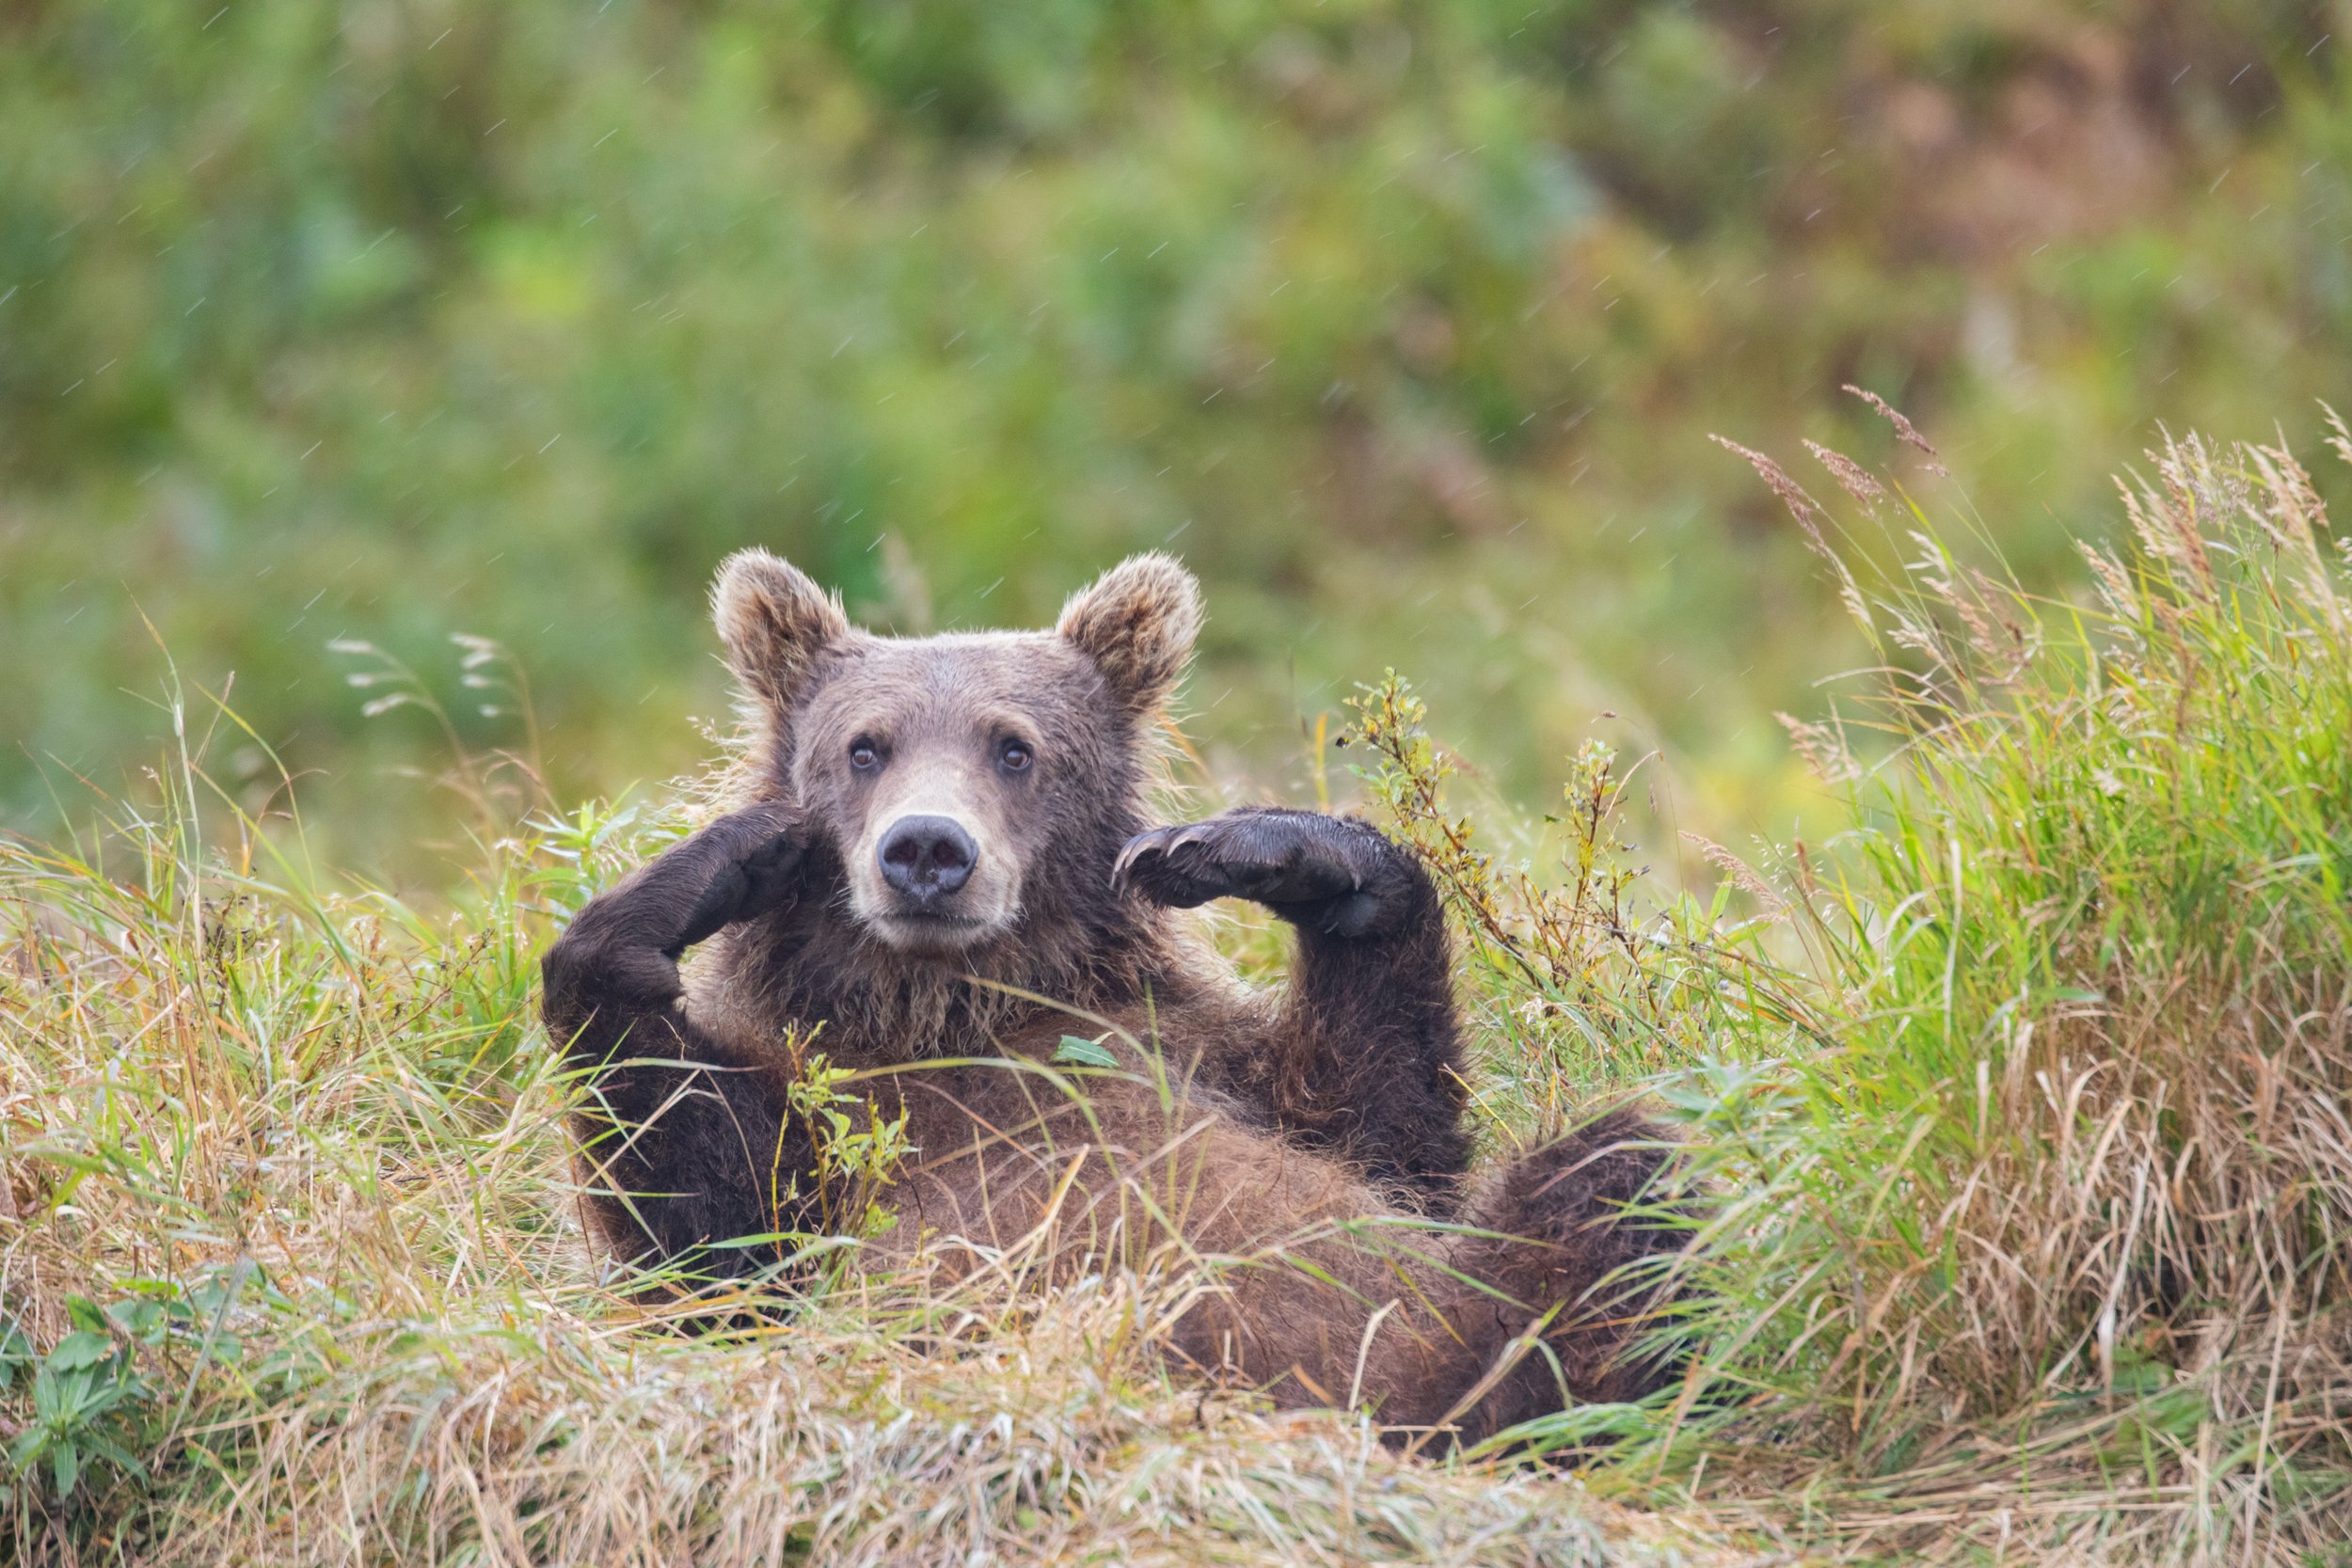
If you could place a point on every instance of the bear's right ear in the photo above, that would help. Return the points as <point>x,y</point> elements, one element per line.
<point>1136,623</point>
<point>774,620</point>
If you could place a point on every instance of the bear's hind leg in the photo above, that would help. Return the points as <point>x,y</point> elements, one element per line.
<point>1560,1234</point>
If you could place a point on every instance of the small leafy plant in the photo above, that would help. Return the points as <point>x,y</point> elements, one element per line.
<point>859,1149</point>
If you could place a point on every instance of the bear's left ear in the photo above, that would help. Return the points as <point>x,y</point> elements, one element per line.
<point>774,620</point>
<point>1136,623</point>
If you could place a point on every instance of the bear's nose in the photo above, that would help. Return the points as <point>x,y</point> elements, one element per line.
<point>926,857</point>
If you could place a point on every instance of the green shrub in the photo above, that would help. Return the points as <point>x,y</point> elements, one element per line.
<point>1404,319</point>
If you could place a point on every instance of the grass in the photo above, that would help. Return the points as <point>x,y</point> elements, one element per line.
<point>2045,1249</point>
<point>294,1274</point>
<point>2022,1107</point>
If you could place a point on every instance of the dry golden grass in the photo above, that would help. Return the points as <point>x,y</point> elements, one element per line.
<point>288,1169</point>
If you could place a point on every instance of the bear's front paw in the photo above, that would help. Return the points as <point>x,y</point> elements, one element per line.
<point>774,842</point>
<point>1329,872</point>
<point>747,863</point>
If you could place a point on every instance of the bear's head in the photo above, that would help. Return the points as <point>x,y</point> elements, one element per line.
<point>968,781</point>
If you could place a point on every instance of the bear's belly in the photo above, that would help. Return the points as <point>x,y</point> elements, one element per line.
<point>1012,1174</point>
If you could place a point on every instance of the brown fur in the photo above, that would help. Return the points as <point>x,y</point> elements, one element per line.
<point>1313,1138</point>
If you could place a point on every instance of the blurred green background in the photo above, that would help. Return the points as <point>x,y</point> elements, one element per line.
<point>1403,323</point>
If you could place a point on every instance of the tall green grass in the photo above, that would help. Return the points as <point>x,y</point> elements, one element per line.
<point>2021,1108</point>
<point>2044,1245</point>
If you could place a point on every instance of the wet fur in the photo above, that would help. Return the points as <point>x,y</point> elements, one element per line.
<point>1321,1123</point>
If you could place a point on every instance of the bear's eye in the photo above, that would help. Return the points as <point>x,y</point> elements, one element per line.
<point>863,756</point>
<point>1013,757</point>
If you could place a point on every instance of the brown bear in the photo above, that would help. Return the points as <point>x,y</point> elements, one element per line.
<point>940,864</point>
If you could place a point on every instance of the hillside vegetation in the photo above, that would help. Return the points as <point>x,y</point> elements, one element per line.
<point>1404,319</point>
<point>2021,1105</point>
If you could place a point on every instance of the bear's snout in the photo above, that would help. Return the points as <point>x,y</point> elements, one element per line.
<point>925,858</point>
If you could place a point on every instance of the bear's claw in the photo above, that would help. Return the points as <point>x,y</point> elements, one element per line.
<point>1290,861</point>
